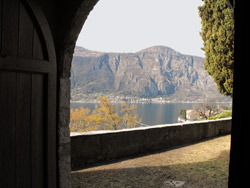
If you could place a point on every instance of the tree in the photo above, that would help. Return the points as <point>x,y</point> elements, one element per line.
<point>218,42</point>
<point>105,116</point>
<point>183,114</point>
<point>129,118</point>
<point>207,109</point>
<point>79,120</point>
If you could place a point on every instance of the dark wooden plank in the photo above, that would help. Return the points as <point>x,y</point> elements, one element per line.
<point>38,51</point>
<point>10,26</point>
<point>37,131</point>
<point>1,12</point>
<point>21,64</point>
<point>26,28</point>
<point>7,128</point>
<point>23,161</point>
<point>42,30</point>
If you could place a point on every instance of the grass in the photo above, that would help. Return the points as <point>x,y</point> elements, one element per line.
<point>202,165</point>
<point>222,115</point>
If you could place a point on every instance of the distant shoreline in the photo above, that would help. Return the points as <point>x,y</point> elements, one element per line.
<point>141,102</point>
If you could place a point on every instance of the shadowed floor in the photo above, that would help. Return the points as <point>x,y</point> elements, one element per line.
<point>201,165</point>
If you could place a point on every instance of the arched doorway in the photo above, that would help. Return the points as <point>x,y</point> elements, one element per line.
<point>72,15</point>
<point>78,30</point>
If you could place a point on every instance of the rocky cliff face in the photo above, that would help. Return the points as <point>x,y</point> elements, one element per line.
<point>152,72</point>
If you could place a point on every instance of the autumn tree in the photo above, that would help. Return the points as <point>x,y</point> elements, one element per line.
<point>79,119</point>
<point>129,117</point>
<point>218,42</point>
<point>105,116</point>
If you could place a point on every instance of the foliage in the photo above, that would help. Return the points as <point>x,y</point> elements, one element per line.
<point>80,119</point>
<point>222,115</point>
<point>129,117</point>
<point>183,114</point>
<point>105,116</point>
<point>218,41</point>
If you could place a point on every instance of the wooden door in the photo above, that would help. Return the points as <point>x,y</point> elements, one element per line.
<point>27,97</point>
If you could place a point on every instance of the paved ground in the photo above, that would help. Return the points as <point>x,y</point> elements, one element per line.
<point>201,165</point>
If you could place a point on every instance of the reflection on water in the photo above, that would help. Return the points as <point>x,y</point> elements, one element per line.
<point>151,114</point>
<point>155,114</point>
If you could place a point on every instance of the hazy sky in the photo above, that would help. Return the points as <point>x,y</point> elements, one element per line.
<point>133,25</point>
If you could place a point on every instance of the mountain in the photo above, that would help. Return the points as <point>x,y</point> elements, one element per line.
<point>152,72</point>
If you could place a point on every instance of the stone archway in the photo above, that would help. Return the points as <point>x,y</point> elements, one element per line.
<point>70,27</point>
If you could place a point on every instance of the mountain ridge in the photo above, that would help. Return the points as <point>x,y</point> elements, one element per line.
<point>151,72</point>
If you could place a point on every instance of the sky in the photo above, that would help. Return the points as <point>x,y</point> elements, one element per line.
<point>133,25</point>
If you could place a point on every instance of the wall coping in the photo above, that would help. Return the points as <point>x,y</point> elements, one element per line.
<point>75,134</point>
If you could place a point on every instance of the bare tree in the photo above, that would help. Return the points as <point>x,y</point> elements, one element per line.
<point>207,108</point>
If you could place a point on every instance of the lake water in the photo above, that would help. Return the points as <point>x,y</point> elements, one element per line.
<point>152,114</point>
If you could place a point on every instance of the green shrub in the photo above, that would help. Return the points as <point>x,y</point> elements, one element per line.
<point>222,115</point>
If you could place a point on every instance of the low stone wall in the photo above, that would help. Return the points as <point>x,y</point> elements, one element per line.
<point>100,146</point>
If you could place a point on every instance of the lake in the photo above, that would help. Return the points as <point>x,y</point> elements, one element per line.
<point>151,114</point>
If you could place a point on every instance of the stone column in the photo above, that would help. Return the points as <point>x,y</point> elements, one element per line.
<point>64,161</point>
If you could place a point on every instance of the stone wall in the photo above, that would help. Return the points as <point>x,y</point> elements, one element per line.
<point>102,146</point>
